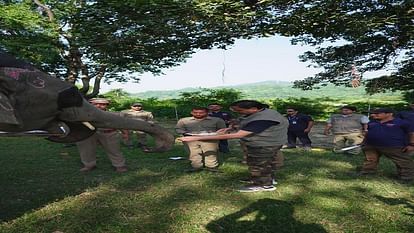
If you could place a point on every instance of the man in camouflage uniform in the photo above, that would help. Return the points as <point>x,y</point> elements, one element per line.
<point>138,112</point>
<point>263,131</point>
<point>200,122</point>
<point>109,139</point>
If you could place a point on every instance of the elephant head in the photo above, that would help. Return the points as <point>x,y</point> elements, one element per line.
<point>32,100</point>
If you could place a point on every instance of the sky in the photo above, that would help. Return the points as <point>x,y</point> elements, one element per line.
<point>247,61</point>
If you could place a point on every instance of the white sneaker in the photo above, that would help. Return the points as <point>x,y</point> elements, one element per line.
<point>249,181</point>
<point>256,188</point>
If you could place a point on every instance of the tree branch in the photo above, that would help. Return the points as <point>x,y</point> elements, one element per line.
<point>45,8</point>
<point>97,83</point>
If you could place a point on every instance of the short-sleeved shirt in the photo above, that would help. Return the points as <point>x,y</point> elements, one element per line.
<point>298,122</point>
<point>393,133</point>
<point>363,119</point>
<point>193,125</point>
<point>406,115</point>
<point>258,126</point>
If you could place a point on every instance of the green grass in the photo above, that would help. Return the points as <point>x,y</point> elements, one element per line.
<point>42,191</point>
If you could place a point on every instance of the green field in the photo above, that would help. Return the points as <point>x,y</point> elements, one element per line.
<point>42,191</point>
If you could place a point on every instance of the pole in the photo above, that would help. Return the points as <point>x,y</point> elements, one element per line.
<point>176,112</point>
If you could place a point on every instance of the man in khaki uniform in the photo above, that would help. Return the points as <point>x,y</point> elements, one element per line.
<point>138,112</point>
<point>348,128</point>
<point>107,138</point>
<point>201,123</point>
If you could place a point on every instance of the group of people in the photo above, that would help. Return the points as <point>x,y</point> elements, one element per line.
<point>263,132</point>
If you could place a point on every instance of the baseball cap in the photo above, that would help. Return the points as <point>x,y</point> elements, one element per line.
<point>99,101</point>
<point>136,105</point>
<point>382,110</point>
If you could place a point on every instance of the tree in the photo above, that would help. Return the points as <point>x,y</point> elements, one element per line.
<point>205,96</point>
<point>91,41</point>
<point>370,35</point>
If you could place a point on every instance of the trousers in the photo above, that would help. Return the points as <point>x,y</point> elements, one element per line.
<point>203,153</point>
<point>110,143</point>
<point>403,161</point>
<point>263,163</point>
<point>303,137</point>
<point>349,139</point>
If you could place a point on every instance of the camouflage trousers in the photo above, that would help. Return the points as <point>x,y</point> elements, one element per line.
<point>263,162</point>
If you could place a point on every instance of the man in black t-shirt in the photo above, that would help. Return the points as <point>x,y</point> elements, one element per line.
<point>299,127</point>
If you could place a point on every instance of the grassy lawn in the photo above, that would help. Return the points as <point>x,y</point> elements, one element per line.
<point>42,191</point>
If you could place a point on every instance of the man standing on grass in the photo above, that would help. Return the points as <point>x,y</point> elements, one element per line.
<point>299,127</point>
<point>348,128</point>
<point>108,138</point>
<point>203,154</point>
<point>391,137</point>
<point>263,131</point>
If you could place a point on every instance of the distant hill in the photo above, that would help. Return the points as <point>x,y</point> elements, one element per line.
<point>275,89</point>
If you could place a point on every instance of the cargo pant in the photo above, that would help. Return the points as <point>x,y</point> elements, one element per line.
<point>203,153</point>
<point>141,138</point>
<point>403,161</point>
<point>349,139</point>
<point>110,143</point>
<point>263,163</point>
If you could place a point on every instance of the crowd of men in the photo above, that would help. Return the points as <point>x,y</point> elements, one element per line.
<point>263,132</point>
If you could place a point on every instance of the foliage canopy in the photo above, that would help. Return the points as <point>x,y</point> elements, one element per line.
<point>112,40</point>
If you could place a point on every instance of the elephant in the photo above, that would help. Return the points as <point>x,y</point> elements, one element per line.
<point>35,103</point>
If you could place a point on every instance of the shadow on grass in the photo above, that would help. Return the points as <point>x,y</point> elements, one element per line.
<point>36,172</point>
<point>264,215</point>
<point>398,201</point>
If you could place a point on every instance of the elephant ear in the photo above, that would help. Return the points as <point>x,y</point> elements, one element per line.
<point>77,132</point>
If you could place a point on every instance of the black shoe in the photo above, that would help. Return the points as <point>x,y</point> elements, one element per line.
<point>362,174</point>
<point>246,181</point>
<point>212,169</point>
<point>406,181</point>
<point>192,170</point>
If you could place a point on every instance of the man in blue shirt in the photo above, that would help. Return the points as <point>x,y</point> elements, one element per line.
<point>215,111</point>
<point>299,127</point>
<point>391,137</point>
<point>407,115</point>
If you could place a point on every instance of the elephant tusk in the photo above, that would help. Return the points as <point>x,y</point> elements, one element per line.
<point>89,125</point>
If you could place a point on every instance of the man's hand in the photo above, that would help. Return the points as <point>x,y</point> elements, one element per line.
<point>189,139</point>
<point>307,130</point>
<point>223,131</point>
<point>408,148</point>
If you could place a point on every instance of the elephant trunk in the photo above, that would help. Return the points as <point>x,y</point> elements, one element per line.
<point>164,140</point>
